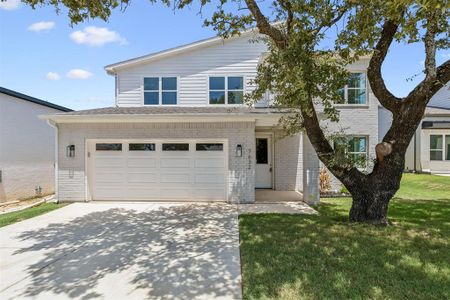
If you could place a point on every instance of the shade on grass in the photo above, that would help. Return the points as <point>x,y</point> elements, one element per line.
<point>31,212</point>
<point>325,257</point>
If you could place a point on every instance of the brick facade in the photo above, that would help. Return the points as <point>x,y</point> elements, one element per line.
<point>72,177</point>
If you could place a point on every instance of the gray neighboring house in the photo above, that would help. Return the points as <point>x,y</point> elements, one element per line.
<point>180,131</point>
<point>27,146</point>
<point>429,150</point>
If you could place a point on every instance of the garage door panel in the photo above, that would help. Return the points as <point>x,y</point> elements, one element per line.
<point>175,178</point>
<point>209,178</point>
<point>109,177</point>
<point>175,163</point>
<point>209,194</point>
<point>142,162</point>
<point>143,194</point>
<point>141,177</point>
<point>178,193</point>
<point>216,162</point>
<point>106,193</point>
<point>110,162</point>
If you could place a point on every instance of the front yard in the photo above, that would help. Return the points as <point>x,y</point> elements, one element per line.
<point>325,257</point>
<point>17,216</point>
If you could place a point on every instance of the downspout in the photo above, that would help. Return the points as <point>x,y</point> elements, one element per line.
<point>53,124</point>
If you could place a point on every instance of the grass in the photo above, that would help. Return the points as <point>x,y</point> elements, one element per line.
<point>13,217</point>
<point>326,257</point>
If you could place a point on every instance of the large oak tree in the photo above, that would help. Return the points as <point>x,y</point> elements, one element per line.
<point>306,76</point>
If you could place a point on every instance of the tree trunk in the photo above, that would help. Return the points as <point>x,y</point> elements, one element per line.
<point>371,193</point>
<point>371,206</point>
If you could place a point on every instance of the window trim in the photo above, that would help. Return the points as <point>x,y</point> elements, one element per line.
<point>346,104</point>
<point>443,150</point>
<point>244,80</point>
<point>160,91</point>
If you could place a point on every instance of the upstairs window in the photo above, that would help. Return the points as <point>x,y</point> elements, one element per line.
<point>355,91</point>
<point>226,90</point>
<point>160,90</point>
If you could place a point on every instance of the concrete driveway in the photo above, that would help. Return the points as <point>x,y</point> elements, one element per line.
<point>123,251</point>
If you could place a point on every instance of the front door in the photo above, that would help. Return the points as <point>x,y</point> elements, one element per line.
<point>263,162</point>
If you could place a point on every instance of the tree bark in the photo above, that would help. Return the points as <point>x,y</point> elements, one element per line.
<point>371,197</point>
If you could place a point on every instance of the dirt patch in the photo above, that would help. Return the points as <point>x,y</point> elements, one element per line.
<point>16,205</point>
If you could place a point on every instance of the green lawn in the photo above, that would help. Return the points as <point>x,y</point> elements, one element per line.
<point>325,257</point>
<point>14,217</point>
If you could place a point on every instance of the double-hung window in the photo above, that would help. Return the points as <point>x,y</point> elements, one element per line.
<point>226,90</point>
<point>356,148</point>
<point>354,91</point>
<point>439,147</point>
<point>160,90</point>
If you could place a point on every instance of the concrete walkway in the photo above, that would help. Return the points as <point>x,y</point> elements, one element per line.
<point>293,208</point>
<point>123,251</point>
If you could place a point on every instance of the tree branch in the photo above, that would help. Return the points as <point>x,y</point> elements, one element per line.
<point>264,26</point>
<point>287,6</point>
<point>430,47</point>
<point>340,12</point>
<point>427,88</point>
<point>386,98</point>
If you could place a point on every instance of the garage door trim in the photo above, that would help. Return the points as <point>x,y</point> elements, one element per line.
<point>90,154</point>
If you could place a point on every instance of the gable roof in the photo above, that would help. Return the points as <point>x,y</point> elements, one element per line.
<point>32,99</point>
<point>111,69</point>
<point>441,98</point>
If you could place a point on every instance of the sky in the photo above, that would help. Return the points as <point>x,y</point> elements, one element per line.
<point>41,55</point>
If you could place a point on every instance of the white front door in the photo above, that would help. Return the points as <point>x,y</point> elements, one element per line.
<point>263,178</point>
<point>189,170</point>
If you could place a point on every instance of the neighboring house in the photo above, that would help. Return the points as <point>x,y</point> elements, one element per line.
<point>27,146</point>
<point>429,150</point>
<point>179,131</point>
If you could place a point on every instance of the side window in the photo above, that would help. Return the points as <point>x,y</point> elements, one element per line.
<point>355,91</point>
<point>160,90</point>
<point>355,147</point>
<point>226,90</point>
<point>436,152</point>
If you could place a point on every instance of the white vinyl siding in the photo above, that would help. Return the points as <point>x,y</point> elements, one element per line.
<point>236,57</point>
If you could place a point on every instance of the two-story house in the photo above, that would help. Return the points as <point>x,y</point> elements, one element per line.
<point>180,131</point>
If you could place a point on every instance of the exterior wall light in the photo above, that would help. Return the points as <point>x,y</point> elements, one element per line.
<point>70,151</point>
<point>239,150</point>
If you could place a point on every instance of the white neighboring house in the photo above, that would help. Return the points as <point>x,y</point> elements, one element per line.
<point>179,131</point>
<point>429,150</point>
<point>27,146</point>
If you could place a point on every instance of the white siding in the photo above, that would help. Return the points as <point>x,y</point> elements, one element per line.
<point>441,98</point>
<point>235,57</point>
<point>27,149</point>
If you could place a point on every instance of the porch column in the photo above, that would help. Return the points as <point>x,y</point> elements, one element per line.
<point>311,170</point>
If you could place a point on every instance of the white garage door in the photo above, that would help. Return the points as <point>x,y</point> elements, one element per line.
<point>158,170</point>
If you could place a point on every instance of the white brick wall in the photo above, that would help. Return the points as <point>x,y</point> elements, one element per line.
<point>288,165</point>
<point>72,186</point>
